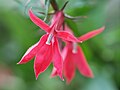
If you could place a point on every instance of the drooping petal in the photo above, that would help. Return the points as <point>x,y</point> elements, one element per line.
<point>91,34</point>
<point>54,72</point>
<point>43,59</point>
<point>67,36</point>
<point>82,64</point>
<point>64,53</point>
<point>69,67</point>
<point>31,52</point>
<point>39,22</point>
<point>57,59</point>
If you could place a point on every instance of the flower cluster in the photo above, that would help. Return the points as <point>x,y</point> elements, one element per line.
<point>47,49</point>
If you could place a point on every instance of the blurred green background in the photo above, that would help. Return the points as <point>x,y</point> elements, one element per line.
<point>18,33</point>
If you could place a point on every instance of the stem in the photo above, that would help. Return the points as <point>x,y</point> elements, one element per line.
<point>54,5</point>
<point>64,6</point>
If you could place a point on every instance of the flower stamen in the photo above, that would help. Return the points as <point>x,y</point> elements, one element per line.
<point>74,48</point>
<point>49,39</point>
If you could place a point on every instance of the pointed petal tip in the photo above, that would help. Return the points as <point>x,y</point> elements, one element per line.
<point>20,62</point>
<point>89,75</point>
<point>17,63</point>
<point>68,82</point>
<point>102,28</point>
<point>91,34</point>
<point>36,76</point>
<point>63,79</point>
<point>52,76</point>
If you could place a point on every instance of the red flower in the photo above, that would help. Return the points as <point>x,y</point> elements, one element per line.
<point>47,49</point>
<point>74,57</point>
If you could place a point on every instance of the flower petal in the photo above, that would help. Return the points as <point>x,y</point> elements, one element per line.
<point>82,64</point>
<point>43,59</point>
<point>31,52</point>
<point>91,34</point>
<point>58,19</point>
<point>57,59</point>
<point>64,52</point>
<point>39,22</point>
<point>69,67</point>
<point>54,72</point>
<point>67,36</point>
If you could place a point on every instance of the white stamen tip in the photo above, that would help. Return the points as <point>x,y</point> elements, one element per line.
<point>49,39</point>
<point>48,43</point>
<point>74,48</point>
<point>74,51</point>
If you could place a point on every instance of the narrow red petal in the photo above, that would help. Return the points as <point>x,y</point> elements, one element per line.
<point>54,72</point>
<point>39,22</point>
<point>91,34</point>
<point>67,36</point>
<point>69,67</point>
<point>64,52</point>
<point>31,52</point>
<point>43,59</point>
<point>82,64</point>
<point>57,59</point>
